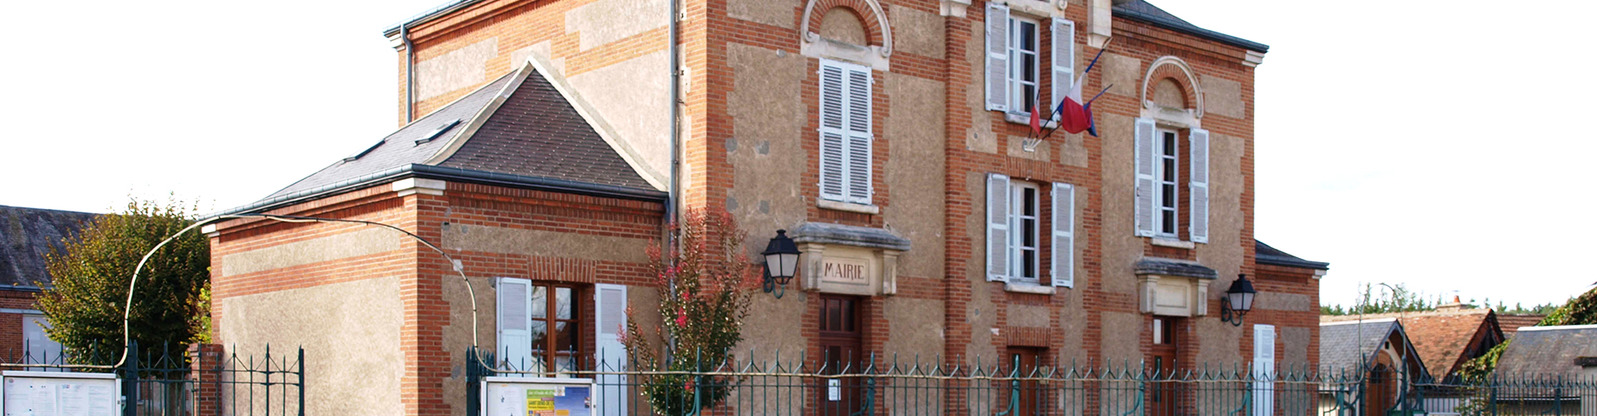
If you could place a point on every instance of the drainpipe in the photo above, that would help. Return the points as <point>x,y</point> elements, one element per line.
<point>410,73</point>
<point>674,196</point>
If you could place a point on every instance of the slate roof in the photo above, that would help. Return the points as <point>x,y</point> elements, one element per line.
<point>1146,12</point>
<point>1548,350</point>
<point>26,235</point>
<point>518,130</point>
<point>1345,345</point>
<point>1264,254</point>
<point>1443,338</point>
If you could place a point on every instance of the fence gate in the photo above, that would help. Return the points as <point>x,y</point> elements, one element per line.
<point>197,381</point>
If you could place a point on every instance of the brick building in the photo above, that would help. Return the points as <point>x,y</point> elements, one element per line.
<point>26,236</point>
<point>886,135</point>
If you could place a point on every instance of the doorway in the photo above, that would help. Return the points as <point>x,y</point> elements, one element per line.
<point>1162,395</point>
<point>1031,397</point>
<point>842,345</point>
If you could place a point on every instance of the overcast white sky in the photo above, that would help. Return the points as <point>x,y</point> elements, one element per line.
<point>1415,142</point>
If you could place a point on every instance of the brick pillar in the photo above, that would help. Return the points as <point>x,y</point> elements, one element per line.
<point>205,363</point>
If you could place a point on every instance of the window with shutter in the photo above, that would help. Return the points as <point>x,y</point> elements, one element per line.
<point>1024,207</point>
<point>997,227</point>
<point>610,305</point>
<point>512,320</point>
<point>537,325</point>
<point>1064,57</point>
<point>1199,185</point>
<point>997,56</point>
<point>1145,189</point>
<point>845,132</point>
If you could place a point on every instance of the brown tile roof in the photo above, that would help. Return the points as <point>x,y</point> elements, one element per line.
<point>1511,322</point>
<point>1443,337</point>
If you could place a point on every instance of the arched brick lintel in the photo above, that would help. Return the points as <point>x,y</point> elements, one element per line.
<point>1177,70</point>
<point>877,31</point>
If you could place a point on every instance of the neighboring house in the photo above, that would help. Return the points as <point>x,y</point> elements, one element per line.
<point>887,137</point>
<point>1512,322</point>
<point>1445,338</point>
<point>1379,351</point>
<point>26,236</point>
<point>1542,354</point>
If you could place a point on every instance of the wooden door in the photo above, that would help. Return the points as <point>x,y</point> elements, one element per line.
<point>1162,366</point>
<point>841,351</point>
<point>1031,402</point>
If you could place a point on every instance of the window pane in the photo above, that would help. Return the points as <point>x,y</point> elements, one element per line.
<point>1168,201</point>
<point>565,336</point>
<point>563,306</point>
<point>1028,67</point>
<point>540,335</point>
<point>1030,95</point>
<point>565,362</point>
<point>1169,221</point>
<point>1169,144</point>
<point>1030,206</point>
<point>1028,260</point>
<point>1028,233</point>
<point>540,299</point>
<point>1028,36</point>
<point>1169,170</point>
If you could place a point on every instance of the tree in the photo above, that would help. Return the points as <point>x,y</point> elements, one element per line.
<point>91,276</point>
<point>704,296</point>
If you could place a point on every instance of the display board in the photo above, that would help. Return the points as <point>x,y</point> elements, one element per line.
<point>39,393</point>
<point>535,396</point>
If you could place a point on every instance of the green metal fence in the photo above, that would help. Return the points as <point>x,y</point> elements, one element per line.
<point>188,380</point>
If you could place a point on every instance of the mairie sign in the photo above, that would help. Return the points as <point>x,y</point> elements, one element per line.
<point>845,271</point>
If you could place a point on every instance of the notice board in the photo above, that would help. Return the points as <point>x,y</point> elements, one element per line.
<point>537,396</point>
<point>39,393</point>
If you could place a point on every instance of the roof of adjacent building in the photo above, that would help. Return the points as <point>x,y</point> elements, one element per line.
<point>1547,350</point>
<point>1443,338</point>
<point>519,130</point>
<point>1264,254</point>
<point>1146,12</point>
<point>26,235</point>
<point>1511,322</point>
<point>1347,345</point>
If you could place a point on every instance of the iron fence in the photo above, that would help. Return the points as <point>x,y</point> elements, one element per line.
<point>198,380</point>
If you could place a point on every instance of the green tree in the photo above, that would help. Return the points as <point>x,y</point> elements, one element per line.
<point>91,276</point>
<point>704,296</point>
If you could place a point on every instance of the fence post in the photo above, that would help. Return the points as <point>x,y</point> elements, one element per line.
<point>301,381</point>
<point>130,380</point>
<point>207,381</point>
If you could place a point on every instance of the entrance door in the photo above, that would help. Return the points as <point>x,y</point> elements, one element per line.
<point>841,348</point>
<point>1162,366</point>
<point>1025,361</point>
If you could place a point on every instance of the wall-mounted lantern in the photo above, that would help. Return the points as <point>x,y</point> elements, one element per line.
<point>781,262</point>
<point>1238,300</point>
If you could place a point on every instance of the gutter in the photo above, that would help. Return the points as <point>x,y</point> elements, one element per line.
<point>676,127</point>
<point>450,175</point>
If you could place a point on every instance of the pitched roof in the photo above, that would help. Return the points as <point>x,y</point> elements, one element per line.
<point>1511,322</point>
<point>1548,350</point>
<point>1264,254</point>
<point>1444,338</point>
<point>519,130</point>
<point>1345,345</point>
<point>1145,12</point>
<point>26,235</point>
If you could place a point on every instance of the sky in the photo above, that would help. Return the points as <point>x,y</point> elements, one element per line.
<point>1422,143</point>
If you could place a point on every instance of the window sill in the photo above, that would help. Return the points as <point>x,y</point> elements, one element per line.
<point>848,206</point>
<point>1169,242</point>
<point>1028,287</point>
<point>1025,118</point>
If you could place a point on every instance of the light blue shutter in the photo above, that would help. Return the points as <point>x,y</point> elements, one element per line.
<point>1263,369</point>
<point>997,227</point>
<point>1064,226</point>
<point>859,135</point>
<point>997,56</point>
<point>1199,187</point>
<point>1064,51</point>
<point>514,318</point>
<point>833,140</point>
<point>610,306</point>
<point>1145,132</point>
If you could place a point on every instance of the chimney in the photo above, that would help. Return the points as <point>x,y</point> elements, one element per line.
<point>1456,305</point>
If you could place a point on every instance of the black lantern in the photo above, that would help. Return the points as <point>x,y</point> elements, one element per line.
<point>781,261</point>
<point>1238,300</point>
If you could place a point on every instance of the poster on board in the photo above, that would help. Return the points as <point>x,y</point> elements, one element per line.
<point>39,393</point>
<point>532,396</point>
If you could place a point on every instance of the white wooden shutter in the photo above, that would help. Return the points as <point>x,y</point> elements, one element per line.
<point>833,155</point>
<point>1064,226</point>
<point>610,306</point>
<point>1064,35</point>
<point>859,134</point>
<point>997,56</point>
<point>1145,185</point>
<point>997,227</point>
<point>1263,369</point>
<point>514,319</point>
<point>1199,187</point>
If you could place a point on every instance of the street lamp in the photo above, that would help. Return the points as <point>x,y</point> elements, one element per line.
<point>781,260</point>
<point>1238,300</point>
